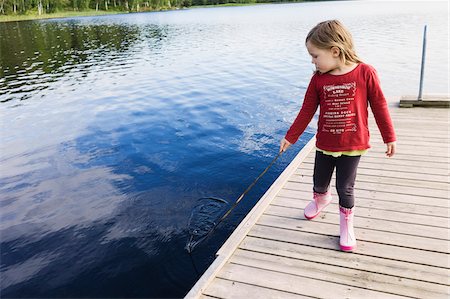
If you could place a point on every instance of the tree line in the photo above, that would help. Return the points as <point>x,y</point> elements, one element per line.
<point>8,7</point>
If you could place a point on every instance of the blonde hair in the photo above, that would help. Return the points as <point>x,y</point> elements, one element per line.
<point>332,33</point>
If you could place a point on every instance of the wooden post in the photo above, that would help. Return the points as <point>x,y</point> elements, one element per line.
<point>422,67</point>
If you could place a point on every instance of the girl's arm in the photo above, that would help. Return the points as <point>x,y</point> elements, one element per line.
<point>309,108</point>
<point>380,111</point>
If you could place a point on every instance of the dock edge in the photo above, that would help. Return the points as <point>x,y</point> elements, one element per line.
<point>227,249</point>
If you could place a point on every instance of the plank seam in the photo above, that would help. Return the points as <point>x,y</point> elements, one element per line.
<point>213,296</point>
<point>372,190</point>
<point>370,229</point>
<point>324,280</point>
<point>263,287</point>
<point>388,177</point>
<point>334,265</point>
<point>366,198</point>
<point>361,165</point>
<point>372,217</point>
<point>367,207</point>
<point>379,183</point>
<point>378,160</point>
<point>336,249</point>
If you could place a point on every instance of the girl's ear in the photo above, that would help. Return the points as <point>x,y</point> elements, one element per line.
<point>335,51</point>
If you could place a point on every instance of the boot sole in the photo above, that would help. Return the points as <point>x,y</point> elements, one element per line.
<point>311,218</point>
<point>347,248</point>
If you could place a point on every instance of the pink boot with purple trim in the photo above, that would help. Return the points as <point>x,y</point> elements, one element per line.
<point>347,240</point>
<point>319,202</point>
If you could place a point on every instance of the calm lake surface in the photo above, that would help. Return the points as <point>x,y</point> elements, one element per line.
<point>112,127</point>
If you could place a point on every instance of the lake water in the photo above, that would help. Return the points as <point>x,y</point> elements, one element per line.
<point>112,127</point>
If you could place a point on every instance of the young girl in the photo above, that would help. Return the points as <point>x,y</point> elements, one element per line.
<point>343,87</point>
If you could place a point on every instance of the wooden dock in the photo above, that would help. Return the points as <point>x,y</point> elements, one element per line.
<point>401,223</point>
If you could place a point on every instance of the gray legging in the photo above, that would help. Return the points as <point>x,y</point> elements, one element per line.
<point>346,167</point>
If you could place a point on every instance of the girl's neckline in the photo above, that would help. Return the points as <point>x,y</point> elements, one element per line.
<point>349,72</point>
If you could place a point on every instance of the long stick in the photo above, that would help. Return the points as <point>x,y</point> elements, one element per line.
<point>249,188</point>
<point>191,248</point>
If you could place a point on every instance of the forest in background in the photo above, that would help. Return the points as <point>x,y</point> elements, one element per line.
<point>40,7</point>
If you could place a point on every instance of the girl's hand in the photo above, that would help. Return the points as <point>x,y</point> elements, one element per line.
<point>390,151</point>
<point>284,145</point>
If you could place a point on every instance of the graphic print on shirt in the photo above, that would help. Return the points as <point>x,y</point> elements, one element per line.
<point>339,116</point>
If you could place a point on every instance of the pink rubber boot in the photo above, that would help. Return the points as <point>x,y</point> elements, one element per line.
<point>319,202</point>
<point>347,236</point>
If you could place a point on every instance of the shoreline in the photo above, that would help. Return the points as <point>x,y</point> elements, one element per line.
<point>93,12</point>
<point>57,15</point>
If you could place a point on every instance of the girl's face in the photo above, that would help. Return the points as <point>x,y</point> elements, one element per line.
<point>325,60</point>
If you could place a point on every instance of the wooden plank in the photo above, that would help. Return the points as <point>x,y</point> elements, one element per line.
<point>383,161</point>
<point>428,181</point>
<point>405,122</point>
<point>420,113</point>
<point>409,103</point>
<point>397,269</point>
<point>410,156</point>
<point>385,173</point>
<point>407,127</point>
<point>408,132</point>
<point>224,288</point>
<point>391,215</point>
<point>420,137</point>
<point>430,153</point>
<point>410,129</point>
<point>331,215</point>
<point>428,258</point>
<point>375,186</point>
<point>404,169</point>
<point>402,118</point>
<point>378,178</point>
<point>342,275</point>
<point>398,217</point>
<point>385,195</point>
<point>405,159</point>
<point>410,139</point>
<point>377,140</point>
<point>418,121</point>
<point>413,147</point>
<point>297,284</point>
<point>362,233</point>
<point>422,126</point>
<point>386,205</point>
<point>428,122</point>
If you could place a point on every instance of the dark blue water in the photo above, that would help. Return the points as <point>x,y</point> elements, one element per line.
<point>112,127</point>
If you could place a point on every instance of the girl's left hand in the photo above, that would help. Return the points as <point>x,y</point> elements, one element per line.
<point>390,149</point>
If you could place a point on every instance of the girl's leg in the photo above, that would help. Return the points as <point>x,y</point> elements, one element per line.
<point>346,167</point>
<point>323,171</point>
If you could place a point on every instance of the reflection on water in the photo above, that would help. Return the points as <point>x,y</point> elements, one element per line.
<point>112,127</point>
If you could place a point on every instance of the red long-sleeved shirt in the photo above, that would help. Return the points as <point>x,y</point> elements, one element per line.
<point>343,118</point>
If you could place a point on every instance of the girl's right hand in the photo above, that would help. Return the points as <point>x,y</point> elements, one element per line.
<point>284,145</point>
<point>390,151</point>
